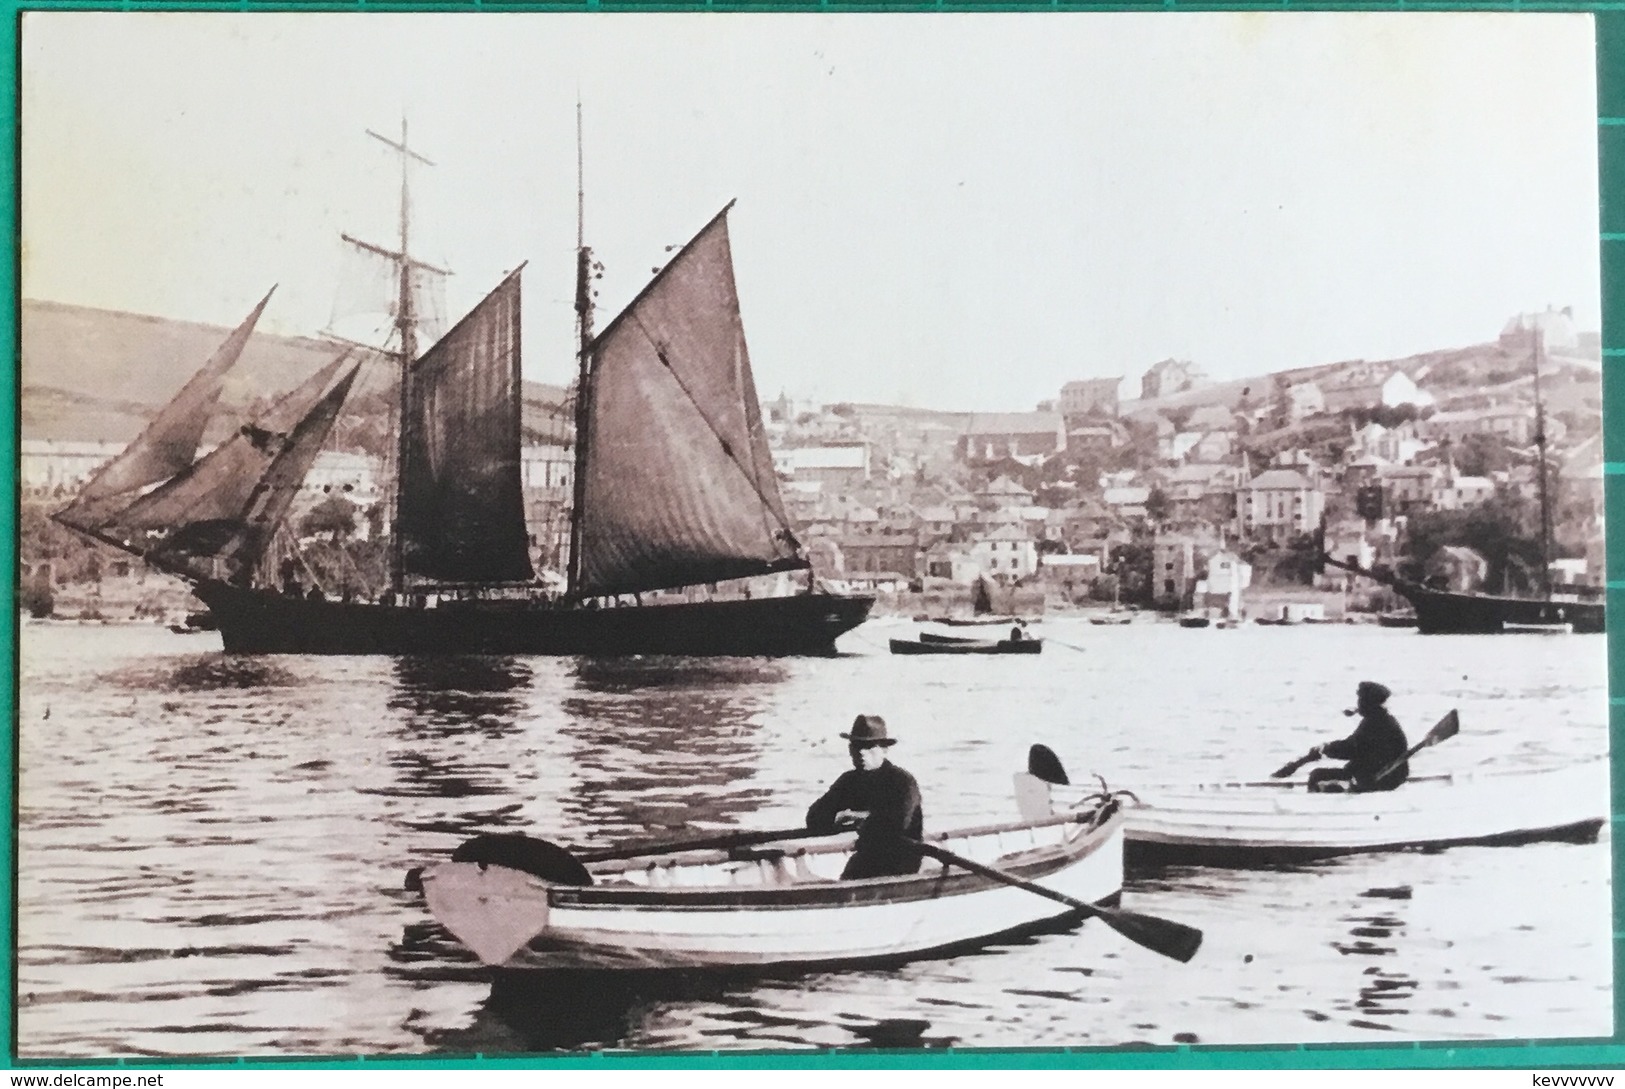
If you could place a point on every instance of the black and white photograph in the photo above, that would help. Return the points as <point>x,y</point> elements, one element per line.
<point>517,514</point>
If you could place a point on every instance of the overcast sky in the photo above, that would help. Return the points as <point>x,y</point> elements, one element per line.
<point>954,211</point>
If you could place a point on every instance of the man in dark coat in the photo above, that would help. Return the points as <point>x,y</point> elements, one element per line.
<point>1376,743</point>
<point>879,799</point>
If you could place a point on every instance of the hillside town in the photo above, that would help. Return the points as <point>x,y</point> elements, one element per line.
<point>1184,495</point>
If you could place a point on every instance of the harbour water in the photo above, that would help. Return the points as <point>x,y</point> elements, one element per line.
<point>211,848</point>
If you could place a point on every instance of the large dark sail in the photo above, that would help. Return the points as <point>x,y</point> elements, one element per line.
<point>240,540</point>
<point>461,510</point>
<point>678,484</point>
<point>205,501</point>
<point>169,443</point>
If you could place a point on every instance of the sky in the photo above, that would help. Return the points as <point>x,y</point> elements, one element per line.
<point>944,211</point>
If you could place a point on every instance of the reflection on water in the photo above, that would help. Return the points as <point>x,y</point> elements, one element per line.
<point>1377,929</point>
<point>205,673</point>
<point>211,848</point>
<point>474,694</point>
<point>666,745</point>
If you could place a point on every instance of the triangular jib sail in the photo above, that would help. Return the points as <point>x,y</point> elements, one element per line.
<point>169,444</point>
<point>461,506</point>
<point>678,483</point>
<point>208,498</point>
<point>239,542</point>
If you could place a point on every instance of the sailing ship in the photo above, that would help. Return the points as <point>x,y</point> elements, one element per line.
<point>1443,612</point>
<point>674,486</point>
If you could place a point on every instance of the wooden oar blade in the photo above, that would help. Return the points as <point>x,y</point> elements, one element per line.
<point>1042,762</point>
<point>1447,727</point>
<point>1171,939</point>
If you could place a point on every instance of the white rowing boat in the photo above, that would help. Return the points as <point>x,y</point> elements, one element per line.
<point>782,906</point>
<point>1275,822</point>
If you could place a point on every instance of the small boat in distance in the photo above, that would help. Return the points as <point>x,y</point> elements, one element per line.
<point>1512,627</point>
<point>944,644</point>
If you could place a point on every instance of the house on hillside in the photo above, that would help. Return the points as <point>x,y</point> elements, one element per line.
<point>1373,387</point>
<point>1089,397</point>
<point>1178,560</point>
<point>1071,575</point>
<point>1003,494</point>
<point>1556,328</point>
<point>1006,553</point>
<point>1219,589</point>
<point>881,553</point>
<point>1453,491</point>
<point>1280,504</point>
<point>1398,445</point>
<point>1027,437</point>
<point>1097,435</point>
<point>1411,488</point>
<point>1514,424</point>
<point>845,465</point>
<point>935,523</point>
<point>1201,492</point>
<point>1089,522</point>
<point>1126,501</point>
<point>1170,376</point>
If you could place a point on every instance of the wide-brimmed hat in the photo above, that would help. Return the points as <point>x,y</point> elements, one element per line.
<point>1377,693</point>
<point>869,730</point>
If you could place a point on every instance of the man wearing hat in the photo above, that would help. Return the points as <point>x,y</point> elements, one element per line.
<point>1376,743</point>
<point>879,799</point>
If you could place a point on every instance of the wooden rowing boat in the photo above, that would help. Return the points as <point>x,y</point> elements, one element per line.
<point>946,645</point>
<point>1276,821</point>
<point>754,908</point>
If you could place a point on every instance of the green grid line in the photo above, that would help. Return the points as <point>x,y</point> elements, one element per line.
<point>1546,1054</point>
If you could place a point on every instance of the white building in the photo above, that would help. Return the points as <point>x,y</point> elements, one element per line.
<point>547,468</point>
<point>841,465</point>
<point>1280,504</point>
<point>1006,553</point>
<point>46,465</point>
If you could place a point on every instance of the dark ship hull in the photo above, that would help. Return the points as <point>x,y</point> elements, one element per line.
<point>264,622</point>
<point>1440,612</point>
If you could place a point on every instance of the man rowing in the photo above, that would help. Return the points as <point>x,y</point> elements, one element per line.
<point>1377,743</point>
<point>879,799</point>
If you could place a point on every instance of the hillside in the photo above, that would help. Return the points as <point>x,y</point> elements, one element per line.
<point>1449,374</point>
<point>100,375</point>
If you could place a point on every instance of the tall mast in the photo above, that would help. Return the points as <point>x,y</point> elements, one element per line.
<point>583,363</point>
<point>406,325</point>
<point>1540,478</point>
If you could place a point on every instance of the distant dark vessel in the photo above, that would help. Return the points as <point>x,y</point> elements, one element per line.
<point>674,488</point>
<point>1449,612</point>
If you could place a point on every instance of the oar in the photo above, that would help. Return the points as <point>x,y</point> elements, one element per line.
<point>563,866</point>
<point>1446,728</point>
<point>1171,939</point>
<point>721,842</point>
<point>1285,770</point>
